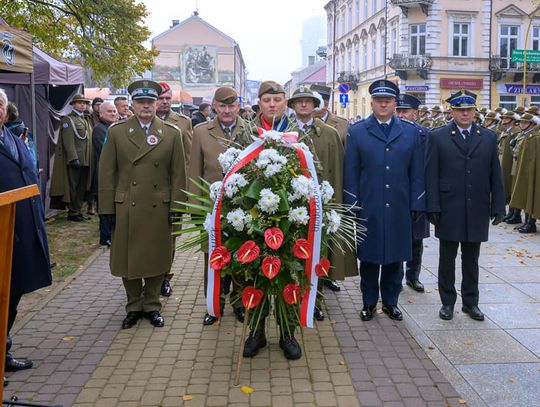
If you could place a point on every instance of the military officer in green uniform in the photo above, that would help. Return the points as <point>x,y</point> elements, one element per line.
<point>491,121</point>
<point>164,112</point>
<point>141,175</point>
<point>523,170</point>
<point>339,123</point>
<point>509,130</point>
<point>330,153</point>
<point>210,139</point>
<point>437,117</point>
<point>423,116</point>
<point>73,161</point>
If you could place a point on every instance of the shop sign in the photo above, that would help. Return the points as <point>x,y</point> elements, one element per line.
<point>460,83</point>
<point>516,88</point>
<point>416,88</point>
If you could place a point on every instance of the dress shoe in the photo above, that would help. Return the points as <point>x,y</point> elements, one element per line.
<point>508,215</point>
<point>393,312</point>
<point>332,285</point>
<point>155,318</point>
<point>131,319</point>
<point>105,243</point>
<point>290,346</point>
<point>318,314</point>
<point>474,312</point>
<point>209,319</point>
<point>240,313</point>
<point>446,312</point>
<point>75,218</point>
<point>528,228</point>
<point>416,285</point>
<point>13,365</point>
<point>367,312</point>
<point>166,289</point>
<point>515,219</point>
<point>255,341</point>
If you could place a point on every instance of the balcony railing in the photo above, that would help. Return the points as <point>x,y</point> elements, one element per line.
<point>504,64</point>
<point>408,62</point>
<point>348,76</point>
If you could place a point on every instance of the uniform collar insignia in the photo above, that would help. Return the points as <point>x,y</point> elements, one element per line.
<point>130,130</point>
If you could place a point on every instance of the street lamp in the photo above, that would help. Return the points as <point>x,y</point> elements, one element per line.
<point>531,16</point>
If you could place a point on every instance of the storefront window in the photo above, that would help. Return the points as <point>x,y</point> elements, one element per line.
<point>535,101</point>
<point>509,102</point>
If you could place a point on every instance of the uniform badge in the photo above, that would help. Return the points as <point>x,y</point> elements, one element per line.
<point>160,131</point>
<point>152,140</point>
<point>65,125</point>
<point>130,130</point>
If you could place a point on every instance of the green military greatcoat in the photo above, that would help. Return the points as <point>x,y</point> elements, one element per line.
<point>506,158</point>
<point>525,194</point>
<point>74,143</point>
<point>140,177</point>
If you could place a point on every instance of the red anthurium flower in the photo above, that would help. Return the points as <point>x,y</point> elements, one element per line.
<point>251,296</point>
<point>270,266</point>
<point>291,293</point>
<point>323,268</point>
<point>301,249</point>
<point>219,258</point>
<point>273,237</point>
<point>248,252</point>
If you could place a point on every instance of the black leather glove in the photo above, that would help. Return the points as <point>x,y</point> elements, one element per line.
<point>498,218</point>
<point>415,215</point>
<point>434,217</point>
<point>111,219</point>
<point>74,163</point>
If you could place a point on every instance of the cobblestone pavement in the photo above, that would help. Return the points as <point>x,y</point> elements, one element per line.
<point>82,358</point>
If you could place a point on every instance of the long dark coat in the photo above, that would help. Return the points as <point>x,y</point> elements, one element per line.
<point>420,228</point>
<point>99,134</point>
<point>385,177</point>
<point>31,265</point>
<point>463,182</point>
<point>139,182</point>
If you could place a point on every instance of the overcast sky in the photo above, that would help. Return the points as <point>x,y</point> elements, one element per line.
<point>268,31</point>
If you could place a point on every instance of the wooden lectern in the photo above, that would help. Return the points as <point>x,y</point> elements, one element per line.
<point>7,226</point>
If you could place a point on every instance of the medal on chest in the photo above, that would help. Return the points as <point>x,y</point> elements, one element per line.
<point>152,140</point>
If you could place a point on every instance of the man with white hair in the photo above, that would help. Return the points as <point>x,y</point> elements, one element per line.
<point>107,116</point>
<point>30,268</point>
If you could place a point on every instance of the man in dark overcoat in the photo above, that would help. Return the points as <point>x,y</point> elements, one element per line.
<point>407,109</point>
<point>464,189</point>
<point>141,176</point>
<point>384,178</point>
<point>30,268</point>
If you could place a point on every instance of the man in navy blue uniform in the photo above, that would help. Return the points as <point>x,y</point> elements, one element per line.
<point>384,178</point>
<point>407,109</point>
<point>30,268</point>
<point>464,189</point>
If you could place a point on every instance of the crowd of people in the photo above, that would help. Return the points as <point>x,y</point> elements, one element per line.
<point>400,168</point>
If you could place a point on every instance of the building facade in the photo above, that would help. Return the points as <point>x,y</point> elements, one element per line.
<point>197,58</point>
<point>431,48</point>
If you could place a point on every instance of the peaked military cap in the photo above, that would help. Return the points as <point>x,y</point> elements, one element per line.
<point>322,90</point>
<point>303,92</point>
<point>226,94</point>
<point>383,88</point>
<point>145,89</point>
<point>405,101</point>
<point>462,99</point>
<point>78,97</point>
<point>271,87</point>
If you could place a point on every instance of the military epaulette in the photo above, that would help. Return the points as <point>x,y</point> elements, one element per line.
<point>341,118</point>
<point>171,125</point>
<point>116,124</point>
<point>408,122</point>
<point>201,124</point>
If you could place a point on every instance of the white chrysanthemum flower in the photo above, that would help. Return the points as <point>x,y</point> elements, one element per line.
<point>269,202</point>
<point>272,170</point>
<point>271,161</point>
<point>237,219</point>
<point>333,221</point>
<point>234,183</point>
<point>207,222</point>
<point>227,158</point>
<point>272,135</point>
<point>327,192</point>
<point>299,215</point>
<point>215,188</point>
<point>302,187</point>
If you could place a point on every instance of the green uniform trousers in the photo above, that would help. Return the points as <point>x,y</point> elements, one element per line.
<point>143,298</point>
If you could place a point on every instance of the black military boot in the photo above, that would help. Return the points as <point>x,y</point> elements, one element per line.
<point>508,215</point>
<point>255,341</point>
<point>515,219</point>
<point>524,224</point>
<point>529,227</point>
<point>290,346</point>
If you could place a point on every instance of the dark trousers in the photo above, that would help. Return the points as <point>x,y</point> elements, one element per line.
<point>391,276</point>
<point>77,178</point>
<point>14,300</point>
<point>235,295</point>
<point>105,228</point>
<point>412,270</point>
<point>470,251</point>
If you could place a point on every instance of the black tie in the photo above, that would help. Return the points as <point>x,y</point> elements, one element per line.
<point>385,128</point>
<point>466,135</point>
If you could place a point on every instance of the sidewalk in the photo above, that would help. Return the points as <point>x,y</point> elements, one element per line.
<point>82,358</point>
